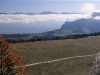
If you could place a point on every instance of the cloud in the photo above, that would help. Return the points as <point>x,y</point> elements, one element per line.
<point>97,17</point>
<point>23,18</point>
<point>88,8</point>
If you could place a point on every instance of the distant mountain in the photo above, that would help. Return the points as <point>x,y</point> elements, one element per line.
<point>84,25</point>
<point>41,13</point>
<point>3,13</point>
<point>69,13</point>
<point>29,13</point>
<point>81,26</point>
<point>48,12</point>
<point>94,14</point>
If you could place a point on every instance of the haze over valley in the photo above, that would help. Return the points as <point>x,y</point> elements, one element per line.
<point>46,20</point>
<point>37,23</point>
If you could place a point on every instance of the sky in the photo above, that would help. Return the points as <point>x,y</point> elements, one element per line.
<point>44,22</point>
<point>11,6</point>
<point>85,8</point>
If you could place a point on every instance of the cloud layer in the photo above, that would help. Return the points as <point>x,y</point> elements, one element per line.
<point>87,9</point>
<point>23,18</point>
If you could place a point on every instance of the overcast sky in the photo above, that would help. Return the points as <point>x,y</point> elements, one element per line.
<point>11,6</point>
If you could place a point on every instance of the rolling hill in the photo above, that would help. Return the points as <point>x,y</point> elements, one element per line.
<point>40,51</point>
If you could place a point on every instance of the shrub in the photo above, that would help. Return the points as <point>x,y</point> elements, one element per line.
<point>10,60</point>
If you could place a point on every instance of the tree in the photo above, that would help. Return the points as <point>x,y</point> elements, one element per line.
<point>10,60</point>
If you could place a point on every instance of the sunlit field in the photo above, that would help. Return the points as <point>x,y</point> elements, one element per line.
<point>40,51</point>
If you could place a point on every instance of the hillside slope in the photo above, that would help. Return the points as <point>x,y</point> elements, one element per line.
<point>41,51</point>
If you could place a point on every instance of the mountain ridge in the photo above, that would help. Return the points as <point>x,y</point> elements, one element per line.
<point>41,13</point>
<point>80,26</point>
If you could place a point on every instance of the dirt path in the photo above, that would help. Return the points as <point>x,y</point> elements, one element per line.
<point>60,59</point>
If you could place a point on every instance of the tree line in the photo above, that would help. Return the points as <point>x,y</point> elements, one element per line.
<point>37,38</point>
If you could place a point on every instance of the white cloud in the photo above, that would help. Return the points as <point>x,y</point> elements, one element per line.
<point>97,17</point>
<point>23,18</point>
<point>88,8</point>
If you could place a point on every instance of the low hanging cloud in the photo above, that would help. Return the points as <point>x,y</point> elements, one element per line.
<point>97,17</point>
<point>23,18</point>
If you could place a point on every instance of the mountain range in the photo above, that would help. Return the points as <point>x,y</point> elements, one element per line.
<point>41,13</point>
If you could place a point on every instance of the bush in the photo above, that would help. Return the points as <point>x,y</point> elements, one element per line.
<point>10,60</point>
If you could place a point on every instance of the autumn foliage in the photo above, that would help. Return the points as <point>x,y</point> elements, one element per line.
<point>10,60</point>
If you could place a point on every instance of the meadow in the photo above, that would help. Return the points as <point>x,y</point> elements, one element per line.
<point>40,51</point>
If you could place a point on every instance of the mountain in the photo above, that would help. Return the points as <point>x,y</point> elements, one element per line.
<point>83,25</point>
<point>29,13</point>
<point>80,26</point>
<point>40,13</point>
<point>48,12</point>
<point>3,13</point>
<point>95,14</point>
<point>69,13</point>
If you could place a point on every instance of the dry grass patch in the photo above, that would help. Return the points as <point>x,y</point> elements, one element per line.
<point>49,50</point>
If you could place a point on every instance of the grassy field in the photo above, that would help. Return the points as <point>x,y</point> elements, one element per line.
<point>39,51</point>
